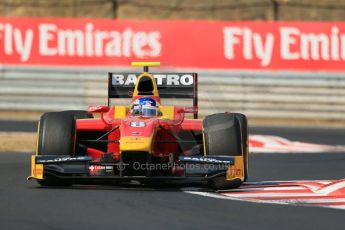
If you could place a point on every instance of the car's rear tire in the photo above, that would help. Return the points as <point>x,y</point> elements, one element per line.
<point>226,134</point>
<point>56,136</point>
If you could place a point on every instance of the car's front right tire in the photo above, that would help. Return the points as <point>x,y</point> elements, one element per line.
<point>56,136</point>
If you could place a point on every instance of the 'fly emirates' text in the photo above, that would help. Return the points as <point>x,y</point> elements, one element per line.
<point>293,44</point>
<point>89,42</point>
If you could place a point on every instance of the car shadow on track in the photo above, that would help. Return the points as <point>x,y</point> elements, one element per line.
<point>135,186</point>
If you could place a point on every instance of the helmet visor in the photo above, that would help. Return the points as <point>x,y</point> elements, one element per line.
<point>149,111</point>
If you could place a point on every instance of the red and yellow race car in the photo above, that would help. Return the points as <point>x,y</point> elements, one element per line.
<point>144,141</point>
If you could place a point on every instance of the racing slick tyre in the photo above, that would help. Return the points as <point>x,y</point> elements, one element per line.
<point>226,134</point>
<point>56,136</point>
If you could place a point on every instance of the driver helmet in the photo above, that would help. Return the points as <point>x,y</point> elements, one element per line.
<point>145,106</point>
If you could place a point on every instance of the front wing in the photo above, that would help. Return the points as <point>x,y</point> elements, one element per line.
<point>83,168</point>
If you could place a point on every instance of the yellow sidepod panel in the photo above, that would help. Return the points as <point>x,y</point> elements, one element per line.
<point>120,112</point>
<point>168,112</point>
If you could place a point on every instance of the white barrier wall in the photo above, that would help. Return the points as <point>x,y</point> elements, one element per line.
<point>297,95</point>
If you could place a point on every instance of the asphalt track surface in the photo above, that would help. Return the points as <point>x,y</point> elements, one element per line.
<point>25,205</point>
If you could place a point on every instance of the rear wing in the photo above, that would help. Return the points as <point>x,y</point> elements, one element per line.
<point>170,85</point>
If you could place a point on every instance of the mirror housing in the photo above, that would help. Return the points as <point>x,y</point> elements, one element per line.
<point>191,110</point>
<point>98,109</point>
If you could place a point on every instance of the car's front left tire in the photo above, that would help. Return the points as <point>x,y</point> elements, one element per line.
<point>226,134</point>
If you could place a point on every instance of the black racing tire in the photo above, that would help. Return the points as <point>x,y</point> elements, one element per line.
<point>220,182</point>
<point>56,136</point>
<point>78,114</point>
<point>222,135</point>
<point>226,134</point>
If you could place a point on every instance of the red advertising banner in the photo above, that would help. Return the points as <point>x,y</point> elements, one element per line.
<point>246,45</point>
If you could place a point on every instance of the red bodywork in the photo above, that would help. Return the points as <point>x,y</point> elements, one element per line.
<point>166,133</point>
